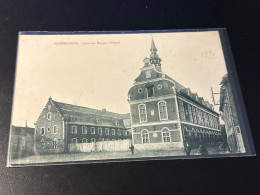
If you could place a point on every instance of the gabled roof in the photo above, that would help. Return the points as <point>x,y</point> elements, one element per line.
<point>90,116</point>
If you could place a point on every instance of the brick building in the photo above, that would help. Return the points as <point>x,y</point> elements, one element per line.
<point>61,124</point>
<point>165,114</point>
<point>229,115</point>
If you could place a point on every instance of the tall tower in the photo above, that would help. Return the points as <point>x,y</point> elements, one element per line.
<point>153,107</point>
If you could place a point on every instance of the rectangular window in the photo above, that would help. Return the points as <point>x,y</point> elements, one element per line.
<point>113,131</point>
<point>55,144</point>
<point>100,131</point>
<point>74,129</point>
<point>190,113</point>
<point>194,114</point>
<point>162,110</point>
<point>92,130</point>
<point>118,132</point>
<point>150,91</point>
<point>84,130</point>
<point>107,131</point>
<point>142,113</point>
<point>74,140</point>
<point>182,110</point>
<point>145,138</point>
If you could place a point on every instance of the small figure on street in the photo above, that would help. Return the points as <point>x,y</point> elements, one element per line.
<point>187,148</point>
<point>203,150</point>
<point>132,148</point>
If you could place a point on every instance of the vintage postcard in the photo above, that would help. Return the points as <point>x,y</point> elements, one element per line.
<point>84,97</point>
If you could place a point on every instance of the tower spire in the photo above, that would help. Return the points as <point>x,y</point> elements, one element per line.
<point>154,58</point>
<point>153,48</point>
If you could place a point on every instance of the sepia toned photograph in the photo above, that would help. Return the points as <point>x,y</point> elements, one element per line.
<point>87,97</point>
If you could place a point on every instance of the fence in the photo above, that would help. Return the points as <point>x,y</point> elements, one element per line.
<point>115,145</point>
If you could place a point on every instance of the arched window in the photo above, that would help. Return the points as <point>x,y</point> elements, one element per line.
<point>145,137</point>
<point>166,135</point>
<point>142,113</point>
<point>49,116</point>
<point>55,130</point>
<point>163,115</point>
<point>84,140</point>
<point>55,146</point>
<point>43,130</point>
<point>93,140</point>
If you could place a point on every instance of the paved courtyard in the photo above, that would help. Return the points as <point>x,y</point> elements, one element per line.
<point>90,156</point>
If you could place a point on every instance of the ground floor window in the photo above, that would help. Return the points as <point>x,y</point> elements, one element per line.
<point>92,130</point>
<point>113,131</point>
<point>84,140</point>
<point>93,140</point>
<point>55,146</point>
<point>145,137</point>
<point>74,140</point>
<point>107,131</point>
<point>166,135</point>
<point>99,131</point>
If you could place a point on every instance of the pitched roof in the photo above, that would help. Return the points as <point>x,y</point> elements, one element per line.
<point>90,116</point>
<point>22,130</point>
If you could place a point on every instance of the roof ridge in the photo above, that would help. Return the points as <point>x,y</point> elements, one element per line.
<point>93,109</point>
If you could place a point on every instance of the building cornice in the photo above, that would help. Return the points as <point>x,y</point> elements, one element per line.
<point>205,127</point>
<point>155,123</point>
<point>151,99</point>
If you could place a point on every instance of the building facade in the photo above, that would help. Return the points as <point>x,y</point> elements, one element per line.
<point>164,114</point>
<point>61,124</point>
<point>21,142</point>
<point>230,117</point>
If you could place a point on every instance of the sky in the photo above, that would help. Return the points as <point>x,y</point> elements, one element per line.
<point>100,75</point>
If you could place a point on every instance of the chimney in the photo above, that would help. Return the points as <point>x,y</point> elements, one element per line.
<point>104,110</point>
